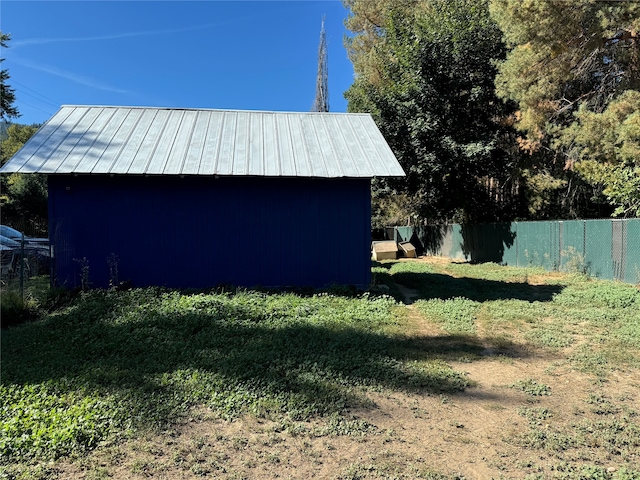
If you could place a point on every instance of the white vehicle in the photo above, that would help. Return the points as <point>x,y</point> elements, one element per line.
<point>35,252</point>
<point>16,235</point>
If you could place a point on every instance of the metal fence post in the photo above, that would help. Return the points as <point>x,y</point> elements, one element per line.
<point>22,268</point>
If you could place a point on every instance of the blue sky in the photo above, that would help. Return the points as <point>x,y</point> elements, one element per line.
<point>251,55</point>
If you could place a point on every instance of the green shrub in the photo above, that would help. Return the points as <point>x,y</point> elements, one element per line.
<point>15,310</point>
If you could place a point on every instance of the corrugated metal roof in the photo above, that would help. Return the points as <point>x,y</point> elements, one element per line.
<point>166,141</point>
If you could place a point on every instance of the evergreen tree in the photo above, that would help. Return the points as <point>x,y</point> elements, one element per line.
<point>574,71</point>
<point>7,96</point>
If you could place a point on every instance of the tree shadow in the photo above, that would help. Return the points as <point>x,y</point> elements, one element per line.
<point>429,285</point>
<point>477,243</point>
<point>487,242</point>
<point>430,240</point>
<point>437,285</point>
<point>157,362</point>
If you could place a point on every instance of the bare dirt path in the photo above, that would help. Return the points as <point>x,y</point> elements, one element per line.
<point>466,435</point>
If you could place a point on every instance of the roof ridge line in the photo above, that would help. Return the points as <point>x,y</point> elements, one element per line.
<point>207,109</point>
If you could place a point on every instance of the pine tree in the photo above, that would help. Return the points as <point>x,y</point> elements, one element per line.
<point>7,96</point>
<point>321,103</point>
<point>573,69</point>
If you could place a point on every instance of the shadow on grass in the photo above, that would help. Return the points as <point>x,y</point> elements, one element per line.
<point>429,285</point>
<point>156,362</point>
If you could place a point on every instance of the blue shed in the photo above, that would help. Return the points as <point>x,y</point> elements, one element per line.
<point>198,198</point>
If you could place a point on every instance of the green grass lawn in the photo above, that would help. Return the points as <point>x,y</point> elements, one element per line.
<point>110,365</point>
<point>113,363</point>
<point>550,311</point>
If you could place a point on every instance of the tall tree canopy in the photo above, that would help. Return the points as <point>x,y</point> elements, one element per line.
<point>574,71</point>
<point>22,195</point>
<point>368,20</point>
<point>7,96</point>
<point>425,71</point>
<point>606,150</point>
<point>564,55</point>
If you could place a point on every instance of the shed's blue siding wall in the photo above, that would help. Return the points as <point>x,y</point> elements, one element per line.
<point>200,232</point>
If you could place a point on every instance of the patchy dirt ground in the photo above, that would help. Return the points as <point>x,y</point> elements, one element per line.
<point>471,435</point>
<point>560,420</point>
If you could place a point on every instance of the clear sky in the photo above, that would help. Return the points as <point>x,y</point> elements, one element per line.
<point>250,55</point>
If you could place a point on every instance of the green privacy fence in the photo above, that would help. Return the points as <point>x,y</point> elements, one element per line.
<point>607,249</point>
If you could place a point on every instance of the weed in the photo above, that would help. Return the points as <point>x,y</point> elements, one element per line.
<point>382,282</point>
<point>296,429</point>
<point>97,473</point>
<point>535,415</point>
<point>84,273</point>
<point>456,315</point>
<point>112,262</point>
<point>200,442</point>
<point>619,436</point>
<point>50,421</point>
<point>239,443</point>
<point>573,261</point>
<point>145,468</point>
<point>112,362</point>
<point>546,439</point>
<point>587,472</point>
<point>199,469</point>
<point>494,272</point>
<point>339,426</point>
<point>613,435</point>
<point>592,360</point>
<point>237,476</point>
<point>59,297</point>
<point>15,310</point>
<point>273,458</point>
<point>629,330</point>
<point>601,405</point>
<point>531,387</point>
<point>608,294</point>
<point>554,336</point>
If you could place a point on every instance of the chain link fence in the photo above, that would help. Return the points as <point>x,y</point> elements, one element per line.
<point>606,249</point>
<point>25,255</point>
